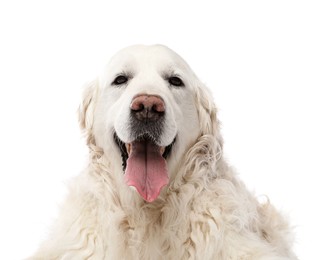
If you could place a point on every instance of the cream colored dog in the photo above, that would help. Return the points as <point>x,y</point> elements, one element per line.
<point>157,186</point>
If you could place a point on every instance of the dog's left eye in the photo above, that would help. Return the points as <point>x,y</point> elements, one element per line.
<point>176,81</point>
<point>119,80</point>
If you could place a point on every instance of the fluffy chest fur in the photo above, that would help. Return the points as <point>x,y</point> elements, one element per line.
<point>195,220</point>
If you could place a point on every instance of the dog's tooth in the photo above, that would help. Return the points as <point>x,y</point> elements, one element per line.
<point>128,148</point>
<point>162,150</point>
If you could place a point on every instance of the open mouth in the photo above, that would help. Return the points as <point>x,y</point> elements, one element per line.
<point>126,148</point>
<point>145,166</point>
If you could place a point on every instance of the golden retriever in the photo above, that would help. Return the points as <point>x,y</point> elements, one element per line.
<point>157,185</point>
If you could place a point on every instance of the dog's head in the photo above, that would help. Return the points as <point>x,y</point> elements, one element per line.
<point>145,111</point>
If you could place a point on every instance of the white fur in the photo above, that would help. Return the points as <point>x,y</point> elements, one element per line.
<point>205,212</point>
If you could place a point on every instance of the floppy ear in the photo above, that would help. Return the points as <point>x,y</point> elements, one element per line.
<point>86,110</point>
<point>207,111</point>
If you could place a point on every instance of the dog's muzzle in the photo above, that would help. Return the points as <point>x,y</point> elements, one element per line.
<point>147,117</point>
<point>144,160</point>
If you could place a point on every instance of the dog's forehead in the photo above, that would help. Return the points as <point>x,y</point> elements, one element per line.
<point>141,56</point>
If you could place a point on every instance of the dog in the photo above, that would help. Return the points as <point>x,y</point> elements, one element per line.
<point>157,185</point>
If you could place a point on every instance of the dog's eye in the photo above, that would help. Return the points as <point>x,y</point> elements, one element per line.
<point>175,81</point>
<point>119,80</point>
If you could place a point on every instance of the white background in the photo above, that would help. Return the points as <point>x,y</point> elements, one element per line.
<point>264,61</point>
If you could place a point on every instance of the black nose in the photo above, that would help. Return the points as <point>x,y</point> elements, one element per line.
<point>147,107</point>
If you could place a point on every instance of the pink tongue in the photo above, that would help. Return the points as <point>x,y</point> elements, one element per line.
<point>146,170</point>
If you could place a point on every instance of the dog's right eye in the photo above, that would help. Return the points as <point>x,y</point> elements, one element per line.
<point>175,81</point>
<point>119,80</point>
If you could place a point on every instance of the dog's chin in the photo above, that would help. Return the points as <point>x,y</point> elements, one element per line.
<point>125,148</point>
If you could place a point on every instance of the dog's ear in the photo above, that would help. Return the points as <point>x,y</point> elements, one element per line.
<point>207,111</point>
<point>86,109</point>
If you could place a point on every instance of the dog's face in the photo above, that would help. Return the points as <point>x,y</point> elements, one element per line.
<point>144,115</point>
